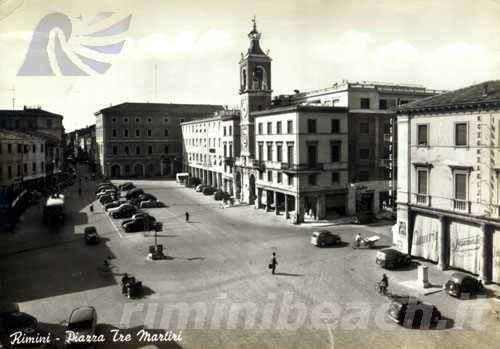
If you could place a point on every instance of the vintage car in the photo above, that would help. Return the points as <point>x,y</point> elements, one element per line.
<point>325,238</point>
<point>391,259</point>
<point>90,235</point>
<point>460,284</point>
<point>412,312</point>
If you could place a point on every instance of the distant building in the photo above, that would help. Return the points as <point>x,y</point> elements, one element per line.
<point>143,139</point>
<point>22,168</point>
<point>448,201</point>
<point>210,145</point>
<point>81,143</point>
<point>41,124</point>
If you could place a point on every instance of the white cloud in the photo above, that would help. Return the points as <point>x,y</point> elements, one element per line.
<point>452,65</point>
<point>159,45</point>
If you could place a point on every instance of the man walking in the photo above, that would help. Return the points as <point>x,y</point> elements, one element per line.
<point>274,263</point>
<point>187,216</point>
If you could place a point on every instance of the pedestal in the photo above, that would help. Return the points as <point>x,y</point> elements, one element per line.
<point>423,276</point>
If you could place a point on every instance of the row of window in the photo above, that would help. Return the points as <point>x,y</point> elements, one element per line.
<point>460,184</point>
<point>138,150</point>
<point>20,148</point>
<point>24,124</point>
<point>138,120</point>
<point>311,127</point>
<point>460,134</point>
<point>202,127</point>
<point>23,170</point>
<point>312,179</point>
<point>383,104</point>
<point>149,133</point>
<point>197,142</point>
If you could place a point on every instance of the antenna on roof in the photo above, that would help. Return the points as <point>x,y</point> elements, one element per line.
<point>13,97</point>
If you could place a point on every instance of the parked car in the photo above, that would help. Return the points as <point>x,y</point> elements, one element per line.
<point>126,186</point>
<point>151,204</point>
<point>113,204</point>
<point>363,218</point>
<point>208,191</point>
<point>199,187</point>
<point>143,197</point>
<point>106,199</point>
<point>412,312</point>
<point>390,258</point>
<point>221,195</point>
<point>325,238</point>
<point>136,216</point>
<point>25,323</point>
<point>90,235</point>
<point>140,224</point>
<point>104,187</point>
<point>131,194</point>
<point>123,211</point>
<point>106,192</point>
<point>82,322</point>
<point>461,283</point>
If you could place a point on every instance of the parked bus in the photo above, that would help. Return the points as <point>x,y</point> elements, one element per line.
<point>53,211</point>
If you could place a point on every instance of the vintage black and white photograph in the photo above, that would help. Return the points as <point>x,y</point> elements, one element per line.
<point>268,174</point>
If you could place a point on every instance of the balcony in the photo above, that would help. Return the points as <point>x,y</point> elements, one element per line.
<point>302,167</point>
<point>259,165</point>
<point>273,165</point>
<point>228,161</point>
<point>423,199</point>
<point>461,205</point>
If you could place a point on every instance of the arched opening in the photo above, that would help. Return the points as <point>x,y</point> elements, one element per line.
<point>259,78</point>
<point>150,170</point>
<point>115,171</point>
<point>251,196</point>
<point>138,170</point>
<point>243,79</point>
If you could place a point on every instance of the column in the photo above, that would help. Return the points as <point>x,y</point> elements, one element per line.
<point>376,202</point>
<point>351,201</point>
<point>443,245</point>
<point>219,181</point>
<point>487,253</point>
<point>286,207</point>
<point>268,195</point>
<point>299,209</point>
<point>172,173</point>
<point>259,198</point>
<point>275,198</point>
<point>321,207</point>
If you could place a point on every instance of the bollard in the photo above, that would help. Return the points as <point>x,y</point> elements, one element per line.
<point>423,276</point>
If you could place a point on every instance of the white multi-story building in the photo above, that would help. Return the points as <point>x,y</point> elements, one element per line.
<point>209,148</point>
<point>449,180</point>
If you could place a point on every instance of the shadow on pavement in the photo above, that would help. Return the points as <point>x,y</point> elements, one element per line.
<point>414,265</point>
<point>289,274</point>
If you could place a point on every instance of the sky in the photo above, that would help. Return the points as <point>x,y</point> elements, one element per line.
<point>187,51</point>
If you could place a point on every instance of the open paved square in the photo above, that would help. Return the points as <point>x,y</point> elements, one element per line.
<point>215,284</point>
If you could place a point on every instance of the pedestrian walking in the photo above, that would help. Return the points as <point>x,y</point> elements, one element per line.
<point>187,216</point>
<point>274,263</point>
<point>91,208</point>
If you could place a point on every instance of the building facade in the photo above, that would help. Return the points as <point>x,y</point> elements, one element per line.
<point>42,124</point>
<point>22,168</point>
<point>449,180</point>
<point>372,135</point>
<point>143,139</point>
<point>210,146</point>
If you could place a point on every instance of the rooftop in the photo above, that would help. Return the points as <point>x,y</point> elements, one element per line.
<point>28,111</point>
<point>129,107</point>
<point>300,108</point>
<point>485,94</point>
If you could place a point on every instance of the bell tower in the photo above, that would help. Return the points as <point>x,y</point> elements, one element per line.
<point>255,89</point>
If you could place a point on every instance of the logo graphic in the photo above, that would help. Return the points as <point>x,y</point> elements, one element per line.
<point>55,51</point>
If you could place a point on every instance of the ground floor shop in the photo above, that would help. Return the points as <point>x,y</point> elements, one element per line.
<point>452,241</point>
<point>142,168</point>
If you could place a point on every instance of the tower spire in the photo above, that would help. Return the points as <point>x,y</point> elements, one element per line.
<point>254,23</point>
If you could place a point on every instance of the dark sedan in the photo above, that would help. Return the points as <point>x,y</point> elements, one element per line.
<point>140,224</point>
<point>123,212</point>
<point>131,194</point>
<point>90,235</point>
<point>412,312</point>
<point>392,259</point>
<point>126,186</point>
<point>460,283</point>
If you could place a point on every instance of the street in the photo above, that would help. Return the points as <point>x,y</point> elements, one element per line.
<point>215,284</point>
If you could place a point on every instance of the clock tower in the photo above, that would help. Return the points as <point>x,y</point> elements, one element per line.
<point>255,89</point>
